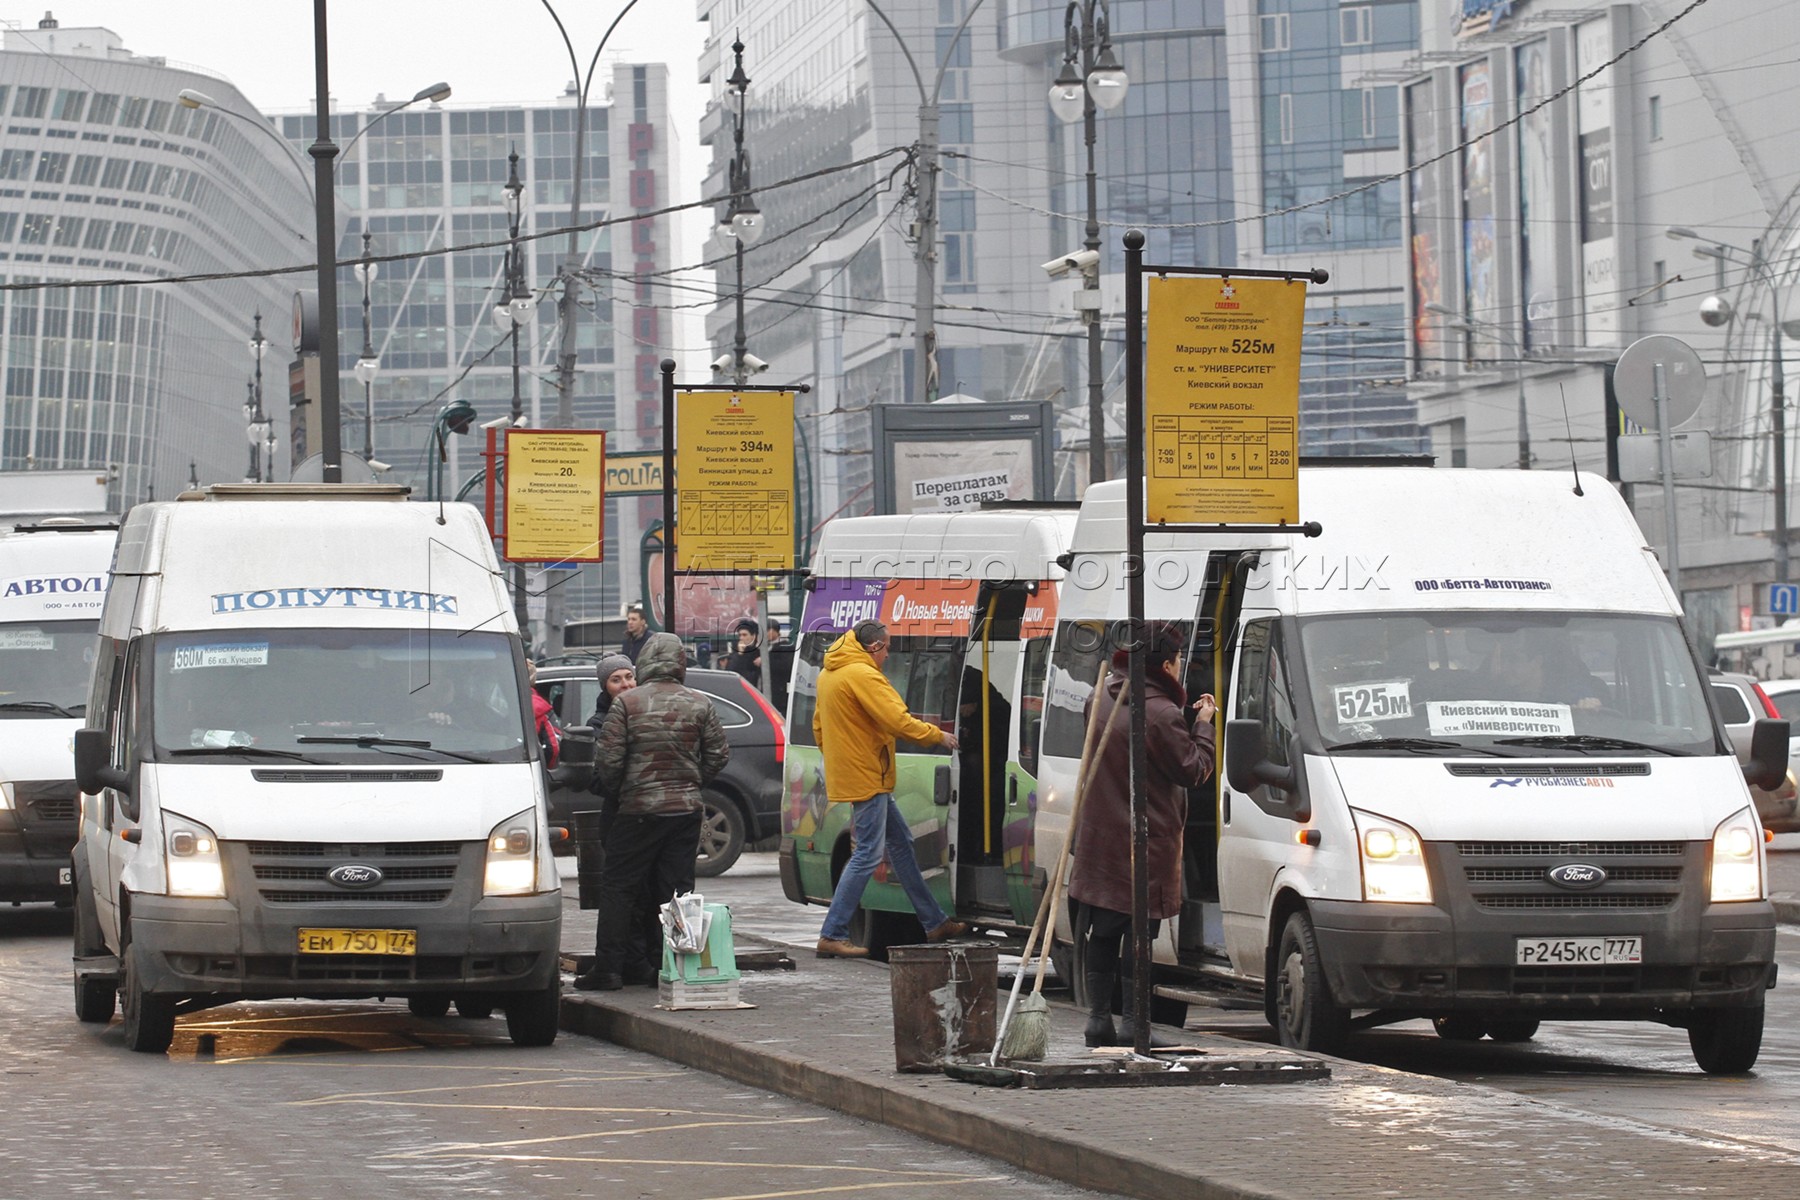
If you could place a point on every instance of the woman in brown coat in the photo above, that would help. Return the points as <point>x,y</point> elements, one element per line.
<point>1180,758</point>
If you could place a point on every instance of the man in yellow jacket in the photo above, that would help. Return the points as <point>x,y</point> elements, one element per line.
<point>855,722</point>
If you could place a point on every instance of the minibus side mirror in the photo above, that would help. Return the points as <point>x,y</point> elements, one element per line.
<point>94,769</point>
<point>1247,764</point>
<point>1768,763</point>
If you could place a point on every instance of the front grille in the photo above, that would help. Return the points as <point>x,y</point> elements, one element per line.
<point>1571,850</point>
<point>53,810</point>
<point>1567,901</point>
<point>1573,981</point>
<point>1528,875</point>
<point>379,776</point>
<point>299,872</point>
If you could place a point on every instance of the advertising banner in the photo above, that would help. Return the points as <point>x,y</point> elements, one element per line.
<point>1481,281</point>
<point>962,474</point>
<point>1222,400</point>
<point>735,494</point>
<point>1599,244</point>
<point>1540,266</point>
<point>634,474</point>
<point>1422,187</point>
<point>915,607</point>
<point>555,495</point>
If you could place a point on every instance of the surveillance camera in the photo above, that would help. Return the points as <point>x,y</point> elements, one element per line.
<point>498,422</point>
<point>1080,260</point>
<point>1716,310</point>
<point>379,467</point>
<point>754,365</point>
<point>721,364</point>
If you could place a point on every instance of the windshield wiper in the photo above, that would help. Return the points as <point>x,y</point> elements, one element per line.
<point>44,706</point>
<point>1412,745</point>
<point>377,741</point>
<point>1587,741</point>
<point>249,751</point>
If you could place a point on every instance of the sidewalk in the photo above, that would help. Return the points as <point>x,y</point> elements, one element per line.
<point>824,1034</point>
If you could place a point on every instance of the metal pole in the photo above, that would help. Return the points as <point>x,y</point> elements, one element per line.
<point>1665,443</point>
<point>255,444</point>
<point>738,374</point>
<point>1524,427</point>
<point>1090,123</point>
<point>368,351</point>
<point>925,288</point>
<point>1134,576</point>
<point>257,337</point>
<point>668,455</point>
<point>324,208</point>
<point>1778,430</point>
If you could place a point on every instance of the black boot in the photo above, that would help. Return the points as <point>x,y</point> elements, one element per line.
<point>1128,1036</point>
<point>1100,1031</point>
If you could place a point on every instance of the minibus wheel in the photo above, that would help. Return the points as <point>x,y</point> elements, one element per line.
<point>1309,1019</point>
<point>1512,1029</point>
<point>149,1019</point>
<point>1725,1041</point>
<point>532,1018</point>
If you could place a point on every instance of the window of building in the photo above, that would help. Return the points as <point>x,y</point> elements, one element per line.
<point>30,101</point>
<point>1356,25</point>
<point>1369,125</point>
<point>87,170</point>
<point>1659,271</point>
<point>1655,121</point>
<point>97,230</point>
<point>104,110</point>
<point>9,224</point>
<point>16,164</point>
<point>116,169</point>
<point>52,167</point>
<point>140,177</point>
<point>70,104</point>
<point>68,231</point>
<point>131,112</point>
<point>1286,107</point>
<point>36,229</point>
<point>1276,32</point>
<point>158,117</point>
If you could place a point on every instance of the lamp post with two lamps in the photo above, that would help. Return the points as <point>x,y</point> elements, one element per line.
<point>1717,310</point>
<point>258,427</point>
<point>515,310</point>
<point>367,365</point>
<point>1091,79</point>
<point>743,220</point>
<point>1470,325</point>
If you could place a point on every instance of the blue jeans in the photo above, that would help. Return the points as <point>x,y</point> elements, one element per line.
<point>879,831</point>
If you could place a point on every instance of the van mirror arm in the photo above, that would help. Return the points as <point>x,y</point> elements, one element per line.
<point>1768,763</point>
<point>94,770</point>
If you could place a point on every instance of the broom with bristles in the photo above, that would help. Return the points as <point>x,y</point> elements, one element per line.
<point>1025,1027</point>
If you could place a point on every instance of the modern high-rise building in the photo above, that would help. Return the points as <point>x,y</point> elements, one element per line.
<point>110,192</point>
<point>1234,108</point>
<point>1583,178</point>
<point>429,182</point>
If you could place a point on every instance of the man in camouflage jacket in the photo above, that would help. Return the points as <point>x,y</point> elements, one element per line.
<point>661,742</point>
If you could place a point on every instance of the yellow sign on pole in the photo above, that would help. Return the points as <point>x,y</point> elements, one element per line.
<point>555,495</point>
<point>1222,400</point>
<point>634,474</point>
<point>735,494</point>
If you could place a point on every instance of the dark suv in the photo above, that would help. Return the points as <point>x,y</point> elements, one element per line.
<point>742,805</point>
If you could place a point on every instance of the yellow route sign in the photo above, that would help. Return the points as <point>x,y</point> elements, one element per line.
<point>555,495</point>
<point>735,491</point>
<point>634,474</point>
<point>1222,400</point>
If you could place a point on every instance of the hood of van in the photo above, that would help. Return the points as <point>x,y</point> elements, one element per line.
<point>278,803</point>
<point>33,750</point>
<point>1492,799</point>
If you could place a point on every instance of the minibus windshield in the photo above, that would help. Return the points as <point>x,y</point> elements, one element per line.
<point>337,695</point>
<point>44,668</point>
<point>1508,682</point>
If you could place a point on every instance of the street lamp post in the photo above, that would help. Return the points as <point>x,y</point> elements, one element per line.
<point>367,365</point>
<point>455,417</point>
<point>1753,259</point>
<point>1472,326</point>
<point>259,428</point>
<point>925,249</point>
<point>568,305</point>
<point>516,310</point>
<point>1091,79</point>
<point>743,220</point>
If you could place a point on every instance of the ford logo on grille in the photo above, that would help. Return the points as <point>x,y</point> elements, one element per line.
<point>1577,877</point>
<point>354,875</point>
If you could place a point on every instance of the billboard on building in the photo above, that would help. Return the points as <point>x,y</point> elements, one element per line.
<point>1599,242</point>
<point>1481,280</point>
<point>1540,261</point>
<point>951,455</point>
<point>1423,191</point>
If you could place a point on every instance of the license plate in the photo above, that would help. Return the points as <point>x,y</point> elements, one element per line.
<point>1578,952</point>
<point>359,941</point>
<point>65,875</point>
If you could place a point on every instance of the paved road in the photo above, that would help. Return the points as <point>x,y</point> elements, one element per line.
<point>302,1100</point>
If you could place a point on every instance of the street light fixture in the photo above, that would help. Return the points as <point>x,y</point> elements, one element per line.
<point>1471,325</point>
<point>259,429</point>
<point>455,417</point>
<point>1091,79</point>
<point>367,365</point>
<point>1716,310</point>
<point>743,221</point>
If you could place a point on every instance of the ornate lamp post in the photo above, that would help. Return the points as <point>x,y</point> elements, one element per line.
<point>743,220</point>
<point>518,308</point>
<point>258,427</point>
<point>1091,79</point>
<point>367,365</point>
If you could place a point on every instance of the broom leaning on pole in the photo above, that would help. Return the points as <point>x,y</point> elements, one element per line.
<point>1028,1037</point>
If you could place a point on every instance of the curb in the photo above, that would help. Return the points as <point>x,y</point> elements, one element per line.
<point>1787,907</point>
<point>1050,1153</point>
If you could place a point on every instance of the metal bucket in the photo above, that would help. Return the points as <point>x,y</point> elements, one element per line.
<point>943,1002</point>
<point>590,855</point>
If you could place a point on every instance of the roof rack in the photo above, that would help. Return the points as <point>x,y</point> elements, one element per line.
<point>1368,460</point>
<point>298,491</point>
<point>68,525</point>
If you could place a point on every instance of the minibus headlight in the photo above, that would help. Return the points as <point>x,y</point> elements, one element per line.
<point>512,857</point>
<point>191,856</point>
<point>1393,860</point>
<point>1736,859</point>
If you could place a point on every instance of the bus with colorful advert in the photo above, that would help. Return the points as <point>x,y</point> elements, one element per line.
<point>970,602</point>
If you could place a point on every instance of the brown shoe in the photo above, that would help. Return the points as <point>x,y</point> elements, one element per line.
<point>835,948</point>
<point>946,931</point>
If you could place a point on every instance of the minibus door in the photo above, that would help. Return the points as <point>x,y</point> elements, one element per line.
<point>986,696</point>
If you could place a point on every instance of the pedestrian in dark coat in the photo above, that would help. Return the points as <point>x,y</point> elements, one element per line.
<point>1179,758</point>
<point>660,744</point>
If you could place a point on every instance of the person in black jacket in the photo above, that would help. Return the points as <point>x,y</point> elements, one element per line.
<point>637,632</point>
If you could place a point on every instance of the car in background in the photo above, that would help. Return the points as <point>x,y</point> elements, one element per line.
<point>742,805</point>
<point>1742,702</point>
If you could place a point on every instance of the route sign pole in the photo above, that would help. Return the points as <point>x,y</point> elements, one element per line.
<point>1192,508</point>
